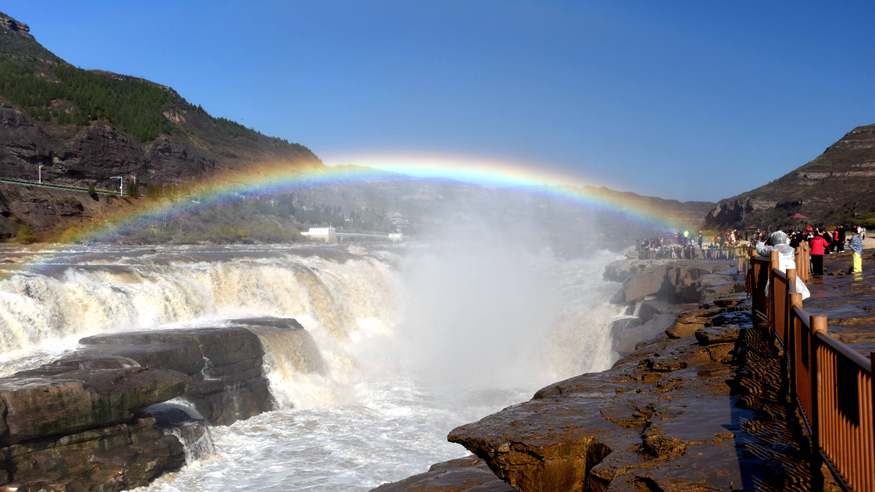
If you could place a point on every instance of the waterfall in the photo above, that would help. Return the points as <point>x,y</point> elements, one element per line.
<point>398,346</point>
<point>289,356</point>
<point>117,291</point>
<point>179,418</point>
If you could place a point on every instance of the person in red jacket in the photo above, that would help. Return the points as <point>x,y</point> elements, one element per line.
<point>818,246</point>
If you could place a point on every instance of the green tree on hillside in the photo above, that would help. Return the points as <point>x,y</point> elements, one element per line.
<point>25,235</point>
<point>133,189</point>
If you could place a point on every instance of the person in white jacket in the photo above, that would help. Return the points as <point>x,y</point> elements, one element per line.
<point>786,258</point>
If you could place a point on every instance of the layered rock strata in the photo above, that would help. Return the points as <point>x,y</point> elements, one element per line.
<point>676,281</point>
<point>97,420</point>
<point>77,424</point>
<point>674,415</point>
<point>224,364</point>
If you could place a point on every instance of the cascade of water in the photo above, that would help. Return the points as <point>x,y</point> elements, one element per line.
<point>125,294</point>
<point>289,351</point>
<point>179,418</point>
<point>636,313</point>
<point>196,441</point>
<point>346,387</point>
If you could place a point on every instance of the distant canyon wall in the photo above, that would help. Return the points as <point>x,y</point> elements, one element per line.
<point>99,152</point>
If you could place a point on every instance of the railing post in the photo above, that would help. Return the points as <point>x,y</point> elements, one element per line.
<point>806,265</point>
<point>818,325</point>
<point>790,347</point>
<point>784,333</point>
<point>756,291</point>
<point>774,264</point>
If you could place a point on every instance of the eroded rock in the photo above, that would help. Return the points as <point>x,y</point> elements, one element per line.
<point>665,417</point>
<point>76,425</point>
<point>723,334</point>
<point>678,281</point>
<point>469,474</point>
<point>111,458</point>
<point>225,366</point>
<point>65,398</point>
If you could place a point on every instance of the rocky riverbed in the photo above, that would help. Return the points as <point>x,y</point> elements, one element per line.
<point>697,406</point>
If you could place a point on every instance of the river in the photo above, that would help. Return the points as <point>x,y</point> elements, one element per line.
<point>413,341</point>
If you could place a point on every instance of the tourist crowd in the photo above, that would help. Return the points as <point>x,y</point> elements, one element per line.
<point>822,242</point>
<point>687,246</point>
<point>725,245</point>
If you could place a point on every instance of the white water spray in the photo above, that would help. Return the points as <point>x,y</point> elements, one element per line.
<point>399,347</point>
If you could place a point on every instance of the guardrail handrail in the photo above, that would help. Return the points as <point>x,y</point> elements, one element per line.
<point>50,185</point>
<point>833,385</point>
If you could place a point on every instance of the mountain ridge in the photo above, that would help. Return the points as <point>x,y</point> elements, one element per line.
<point>833,188</point>
<point>87,126</point>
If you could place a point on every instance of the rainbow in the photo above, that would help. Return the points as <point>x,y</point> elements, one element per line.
<point>273,178</point>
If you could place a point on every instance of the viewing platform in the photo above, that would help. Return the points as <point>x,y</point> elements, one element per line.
<point>827,364</point>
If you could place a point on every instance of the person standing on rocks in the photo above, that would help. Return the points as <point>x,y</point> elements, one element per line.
<point>856,245</point>
<point>842,237</point>
<point>818,247</point>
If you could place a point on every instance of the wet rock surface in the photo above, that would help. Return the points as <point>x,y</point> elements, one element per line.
<point>82,393</point>
<point>690,413</point>
<point>98,419</point>
<point>698,406</point>
<point>469,474</point>
<point>846,299</point>
<point>225,366</point>
<point>676,281</point>
<point>77,424</point>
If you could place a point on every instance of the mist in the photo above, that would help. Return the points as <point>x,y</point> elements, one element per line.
<point>487,302</point>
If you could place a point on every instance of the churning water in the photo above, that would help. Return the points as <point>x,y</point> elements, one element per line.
<point>403,343</point>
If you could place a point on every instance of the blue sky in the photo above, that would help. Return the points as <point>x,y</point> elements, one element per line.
<point>686,100</point>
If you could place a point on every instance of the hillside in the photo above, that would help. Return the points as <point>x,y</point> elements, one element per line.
<point>834,188</point>
<point>86,126</point>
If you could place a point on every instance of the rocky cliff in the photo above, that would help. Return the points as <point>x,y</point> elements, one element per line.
<point>674,281</point>
<point>87,135</point>
<point>833,188</point>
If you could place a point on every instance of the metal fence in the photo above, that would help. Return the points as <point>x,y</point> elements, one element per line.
<point>832,384</point>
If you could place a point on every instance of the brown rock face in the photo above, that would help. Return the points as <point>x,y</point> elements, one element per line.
<point>97,154</point>
<point>72,396</point>
<point>225,366</point>
<point>23,144</point>
<point>79,423</point>
<point>76,425</point>
<point>111,458</point>
<point>678,281</point>
<point>469,474</point>
<point>666,417</point>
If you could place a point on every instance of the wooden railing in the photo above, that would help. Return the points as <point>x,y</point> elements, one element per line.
<point>832,384</point>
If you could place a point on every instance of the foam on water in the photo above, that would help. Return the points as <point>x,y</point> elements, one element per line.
<point>400,347</point>
<point>395,429</point>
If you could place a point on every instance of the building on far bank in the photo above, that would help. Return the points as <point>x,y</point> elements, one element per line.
<point>399,221</point>
<point>327,234</point>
